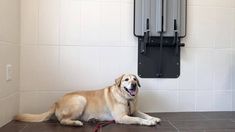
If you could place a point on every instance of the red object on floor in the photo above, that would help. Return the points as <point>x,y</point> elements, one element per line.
<point>103,124</point>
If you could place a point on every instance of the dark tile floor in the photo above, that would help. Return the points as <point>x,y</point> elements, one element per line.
<point>172,122</point>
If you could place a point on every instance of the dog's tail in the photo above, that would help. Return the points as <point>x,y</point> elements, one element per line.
<point>36,117</point>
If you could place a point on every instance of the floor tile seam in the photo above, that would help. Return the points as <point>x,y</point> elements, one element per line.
<point>173,125</point>
<point>23,128</point>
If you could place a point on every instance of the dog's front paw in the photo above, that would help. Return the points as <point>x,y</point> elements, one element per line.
<point>155,119</point>
<point>78,123</point>
<point>149,122</point>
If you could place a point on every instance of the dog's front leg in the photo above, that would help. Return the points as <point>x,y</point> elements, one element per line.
<point>134,120</point>
<point>146,116</point>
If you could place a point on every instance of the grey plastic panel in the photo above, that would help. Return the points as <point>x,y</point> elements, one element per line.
<point>151,9</point>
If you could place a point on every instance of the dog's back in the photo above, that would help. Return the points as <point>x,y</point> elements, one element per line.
<point>84,105</point>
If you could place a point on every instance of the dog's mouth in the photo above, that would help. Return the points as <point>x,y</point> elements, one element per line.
<point>132,91</point>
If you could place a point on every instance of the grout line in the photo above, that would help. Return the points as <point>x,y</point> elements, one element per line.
<point>178,94</point>
<point>9,95</point>
<point>204,116</point>
<point>145,90</point>
<point>172,125</point>
<point>231,79</point>
<point>23,128</point>
<point>38,23</point>
<point>81,45</point>
<point>202,120</point>
<point>195,80</point>
<point>207,5</point>
<point>120,20</point>
<point>231,120</point>
<point>36,91</point>
<point>59,40</point>
<point>8,41</point>
<point>196,84</point>
<point>213,87</point>
<point>207,120</point>
<point>93,44</point>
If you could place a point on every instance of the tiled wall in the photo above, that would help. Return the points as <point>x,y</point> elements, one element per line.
<point>9,54</point>
<point>69,45</point>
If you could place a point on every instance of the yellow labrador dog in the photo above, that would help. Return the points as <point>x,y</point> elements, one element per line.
<point>116,102</point>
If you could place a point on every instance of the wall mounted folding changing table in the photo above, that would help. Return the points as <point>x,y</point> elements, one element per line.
<point>159,26</point>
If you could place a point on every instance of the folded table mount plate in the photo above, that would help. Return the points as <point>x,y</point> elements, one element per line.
<point>159,26</point>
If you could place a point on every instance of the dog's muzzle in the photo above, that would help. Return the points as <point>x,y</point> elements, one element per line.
<point>133,90</point>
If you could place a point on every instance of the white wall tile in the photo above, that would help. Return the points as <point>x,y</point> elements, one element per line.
<point>149,84</point>
<point>159,84</point>
<point>233,70</point>
<point>10,109</point>
<point>70,19</point>
<point>186,101</point>
<point>158,101</point>
<point>204,100</point>
<point>110,0</point>
<point>9,54</point>
<point>222,69</point>
<point>233,100</point>
<point>225,3</point>
<point>200,27</point>
<point>204,69</point>
<point>2,115</point>
<point>27,99</point>
<point>215,3</point>
<point>48,22</point>
<point>127,33</point>
<point>91,21</point>
<point>188,74</point>
<point>233,29</point>
<point>110,21</point>
<point>168,84</point>
<point>38,102</point>
<point>9,26</point>
<point>11,106</point>
<point>29,21</point>
<point>127,1</point>
<point>39,67</point>
<point>224,23</point>
<point>80,65</point>
<point>199,2</point>
<point>222,101</point>
<point>69,67</point>
<point>115,61</point>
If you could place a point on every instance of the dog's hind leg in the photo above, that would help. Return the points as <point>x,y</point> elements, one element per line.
<point>69,112</point>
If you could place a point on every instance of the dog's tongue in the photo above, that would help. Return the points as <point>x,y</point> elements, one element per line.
<point>132,92</point>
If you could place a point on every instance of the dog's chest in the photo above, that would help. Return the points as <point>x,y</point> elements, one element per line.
<point>130,107</point>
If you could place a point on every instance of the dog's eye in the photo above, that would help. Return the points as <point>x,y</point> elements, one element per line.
<point>127,79</point>
<point>134,79</point>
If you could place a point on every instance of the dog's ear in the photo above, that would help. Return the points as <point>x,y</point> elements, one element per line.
<point>119,80</point>
<point>138,82</point>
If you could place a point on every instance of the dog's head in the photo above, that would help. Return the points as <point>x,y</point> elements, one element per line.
<point>128,84</point>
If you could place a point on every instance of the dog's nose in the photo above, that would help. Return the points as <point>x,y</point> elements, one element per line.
<point>133,85</point>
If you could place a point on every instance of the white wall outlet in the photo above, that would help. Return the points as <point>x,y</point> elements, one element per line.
<point>9,72</point>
